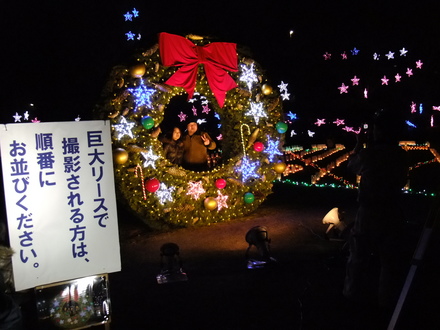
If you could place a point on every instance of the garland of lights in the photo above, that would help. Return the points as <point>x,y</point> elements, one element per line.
<point>161,193</point>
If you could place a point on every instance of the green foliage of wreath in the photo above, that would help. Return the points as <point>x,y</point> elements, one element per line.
<point>174,205</point>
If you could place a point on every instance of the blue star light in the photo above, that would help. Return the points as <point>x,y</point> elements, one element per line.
<point>354,51</point>
<point>292,116</point>
<point>272,149</point>
<point>247,169</point>
<point>142,94</point>
<point>135,12</point>
<point>128,16</point>
<point>130,35</point>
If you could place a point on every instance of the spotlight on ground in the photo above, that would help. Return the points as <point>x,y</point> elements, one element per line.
<point>335,219</point>
<point>170,265</point>
<point>257,236</point>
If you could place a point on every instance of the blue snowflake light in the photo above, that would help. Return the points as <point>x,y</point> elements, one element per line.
<point>142,94</point>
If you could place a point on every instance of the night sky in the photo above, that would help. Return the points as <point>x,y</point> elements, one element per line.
<point>57,55</point>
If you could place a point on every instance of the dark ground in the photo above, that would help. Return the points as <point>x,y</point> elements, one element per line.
<point>302,291</point>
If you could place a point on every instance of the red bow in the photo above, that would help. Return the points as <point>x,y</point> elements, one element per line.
<point>216,58</point>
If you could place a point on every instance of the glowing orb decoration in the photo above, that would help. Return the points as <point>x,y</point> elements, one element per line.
<point>120,156</point>
<point>138,70</point>
<point>220,183</point>
<point>281,127</point>
<point>258,146</point>
<point>168,195</point>
<point>249,198</point>
<point>210,203</point>
<point>266,89</point>
<point>152,185</point>
<point>279,167</point>
<point>147,122</point>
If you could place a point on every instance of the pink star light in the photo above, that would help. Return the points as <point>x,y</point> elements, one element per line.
<point>339,122</point>
<point>327,56</point>
<point>343,89</point>
<point>419,64</point>
<point>344,56</point>
<point>320,122</point>
<point>384,80</point>
<point>409,72</point>
<point>182,116</point>
<point>398,77</point>
<point>205,109</point>
<point>355,80</point>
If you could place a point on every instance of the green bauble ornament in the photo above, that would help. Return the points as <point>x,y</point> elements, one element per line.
<point>249,198</point>
<point>147,122</point>
<point>281,127</point>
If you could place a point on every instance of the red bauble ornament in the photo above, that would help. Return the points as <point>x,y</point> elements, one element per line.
<point>220,183</point>
<point>152,185</point>
<point>258,146</point>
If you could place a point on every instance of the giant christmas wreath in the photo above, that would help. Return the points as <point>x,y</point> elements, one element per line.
<point>138,99</point>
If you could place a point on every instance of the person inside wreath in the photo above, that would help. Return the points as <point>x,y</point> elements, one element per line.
<point>173,147</point>
<point>195,148</point>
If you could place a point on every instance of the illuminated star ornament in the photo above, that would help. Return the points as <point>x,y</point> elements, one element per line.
<point>124,128</point>
<point>206,109</point>
<point>256,111</point>
<point>310,133</point>
<point>327,56</point>
<point>384,80</point>
<point>247,169</point>
<point>320,122</point>
<point>26,115</point>
<point>283,91</point>
<point>398,77</point>
<point>390,55</point>
<point>221,200</point>
<point>339,122</point>
<point>248,75</point>
<point>355,81</point>
<point>419,64</point>
<point>150,158</point>
<point>409,72</point>
<point>164,194</point>
<point>130,35</point>
<point>354,51</point>
<point>272,149</point>
<point>343,89</point>
<point>142,94</point>
<point>195,189</point>
<point>403,52</point>
<point>292,116</point>
<point>128,16</point>
<point>182,116</point>
<point>17,118</point>
<point>376,57</point>
<point>344,55</point>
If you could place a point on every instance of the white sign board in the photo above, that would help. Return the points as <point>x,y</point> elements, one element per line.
<point>60,200</point>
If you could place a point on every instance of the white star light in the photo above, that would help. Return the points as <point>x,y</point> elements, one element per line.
<point>256,111</point>
<point>390,55</point>
<point>142,94</point>
<point>285,96</point>
<point>403,52</point>
<point>17,118</point>
<point>310,133</point>
<point>124,128</point>
<point>248,75</point>
<point>283,87</point>
<point>164,194</point>
<point>376,56</point>
<point>221,200</point>
<point>272,149</point>
<point>195,189</point>
<point>292,133</point>
<point>150,158</point>
<point>26,115</point>
<point>247,169</point>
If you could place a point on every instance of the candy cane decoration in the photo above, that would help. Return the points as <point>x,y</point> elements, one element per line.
<point>242,137</point>
<point>139,169</point>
